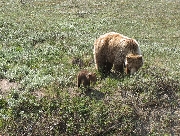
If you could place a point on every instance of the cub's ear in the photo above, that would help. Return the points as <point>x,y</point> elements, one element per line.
<point>89,75</point>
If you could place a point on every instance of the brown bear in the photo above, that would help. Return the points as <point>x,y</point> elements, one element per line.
<point>86,78</point>
<point>114,50</point>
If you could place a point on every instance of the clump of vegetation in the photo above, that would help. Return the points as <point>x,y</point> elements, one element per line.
<point>135,109</point>
<point>154,97</point>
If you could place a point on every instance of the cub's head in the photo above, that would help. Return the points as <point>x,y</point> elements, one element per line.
<point>133,63</point>
<point>92,77</point>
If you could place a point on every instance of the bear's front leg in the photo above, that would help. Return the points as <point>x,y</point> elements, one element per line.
<point>104,68</point>
<point>119,68</point>
<point>108,67</point>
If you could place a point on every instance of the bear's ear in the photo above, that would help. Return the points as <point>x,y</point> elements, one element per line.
<point>140,57</point>
<point>128,57</point>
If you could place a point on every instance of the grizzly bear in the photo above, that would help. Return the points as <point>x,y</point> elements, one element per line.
<point>114,50</point>
<point>86,78</point>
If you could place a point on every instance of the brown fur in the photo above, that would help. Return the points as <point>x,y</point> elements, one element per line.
<point>110,51</point>
<point>133,61</point>
<point>86,78</point>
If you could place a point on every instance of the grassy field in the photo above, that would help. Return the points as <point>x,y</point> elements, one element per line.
<point>39,39</point>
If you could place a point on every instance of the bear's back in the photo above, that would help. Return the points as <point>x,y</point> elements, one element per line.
<point>110,39</point>
<point>114,41</point>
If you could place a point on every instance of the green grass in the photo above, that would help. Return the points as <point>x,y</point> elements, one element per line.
<point>38,41</point>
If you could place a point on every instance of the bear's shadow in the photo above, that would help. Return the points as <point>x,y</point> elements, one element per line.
<point>94,94</point>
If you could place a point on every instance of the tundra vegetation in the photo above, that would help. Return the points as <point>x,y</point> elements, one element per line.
<point>39,40</point>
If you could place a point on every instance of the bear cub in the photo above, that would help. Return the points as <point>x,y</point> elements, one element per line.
<point>86,78</point>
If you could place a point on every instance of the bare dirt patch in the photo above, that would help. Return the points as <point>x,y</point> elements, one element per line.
<point>6,86</point>
<point>39,93</point>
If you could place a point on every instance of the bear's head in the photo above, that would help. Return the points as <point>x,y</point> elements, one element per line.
<point>133,63</point>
